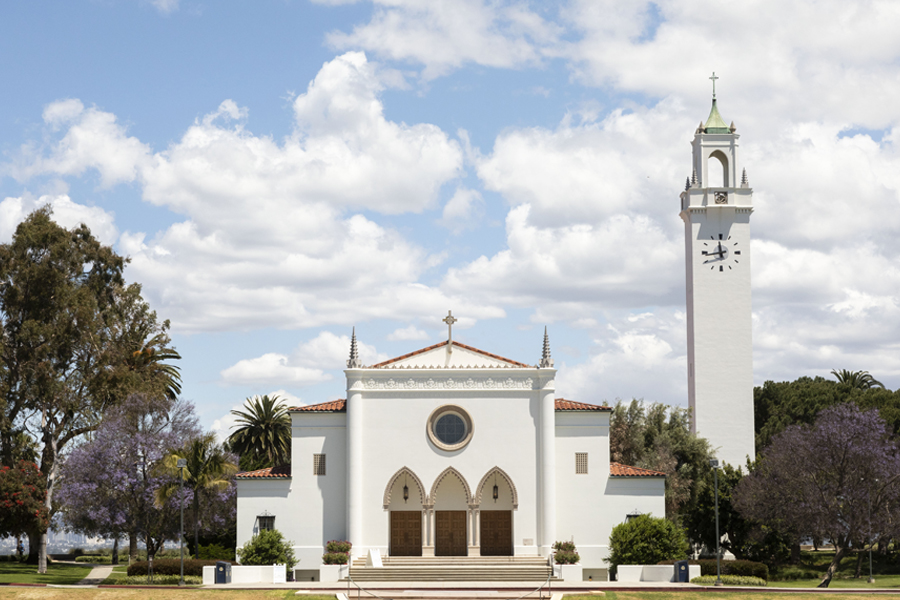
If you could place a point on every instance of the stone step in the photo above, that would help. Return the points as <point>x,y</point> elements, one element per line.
<point>451,573</point>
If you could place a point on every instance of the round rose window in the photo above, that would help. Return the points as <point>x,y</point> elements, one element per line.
<point>450,427</point>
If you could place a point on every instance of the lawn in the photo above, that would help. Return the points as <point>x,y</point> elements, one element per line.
<point>881,581</point>
<point>755,595</point>
<point>118,576</point>
<point>12,593</point>
<point>57,573</point>
<point>813,565</point>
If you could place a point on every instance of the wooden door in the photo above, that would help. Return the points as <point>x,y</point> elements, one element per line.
<point>406,533</point>
<point>450,530</point>
<point>496,533</point>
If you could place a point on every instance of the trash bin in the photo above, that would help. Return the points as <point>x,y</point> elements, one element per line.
<point>682,572</point>
<point>223,572</point>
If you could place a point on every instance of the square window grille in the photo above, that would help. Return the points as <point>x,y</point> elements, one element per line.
<point>581,463</point>
<point>266,523</point>
<point>318,464</point>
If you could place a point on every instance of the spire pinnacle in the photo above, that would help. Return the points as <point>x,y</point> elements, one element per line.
<point>354,362</point>
<point>687,184</point>
<point>744,181</point>
<point>546,361</point>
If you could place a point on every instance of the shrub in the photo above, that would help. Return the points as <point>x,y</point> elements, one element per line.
<point>214,552</point>
<point>729,580</point>
<point>564,546</point>
<point>646,540</point>
<point>740,568</point>
<point>268,547</point>
<point>565,553</point>
<point>170,566</point>
<point>163,580</point>
<point>335,558</point>
<point>92,558</point>
<point>338,546</point>
<point>76,552</point>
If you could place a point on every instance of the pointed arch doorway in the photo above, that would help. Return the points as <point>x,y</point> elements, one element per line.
<point>404,499</point>
<point>451,497</point>
<point>497,499</point>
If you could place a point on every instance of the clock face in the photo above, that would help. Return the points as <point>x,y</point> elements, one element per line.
<point>720,253</point>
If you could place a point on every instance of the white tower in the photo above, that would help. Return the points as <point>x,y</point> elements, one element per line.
<point>716,208</point>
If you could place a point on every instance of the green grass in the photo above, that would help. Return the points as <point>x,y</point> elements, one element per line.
<point>813,565</point>
<point>881,581</point>
<point>60,574</point>
<point>118,576</point>
<point>758,594</point>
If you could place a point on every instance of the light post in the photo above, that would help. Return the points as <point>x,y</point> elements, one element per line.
<point>714,463</point>
<point>181,464</point>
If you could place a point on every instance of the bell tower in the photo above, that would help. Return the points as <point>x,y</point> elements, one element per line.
<point>716,206</point>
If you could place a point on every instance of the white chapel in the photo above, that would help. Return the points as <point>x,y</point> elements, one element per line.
<point>454,451</point>
<point>449,451</point>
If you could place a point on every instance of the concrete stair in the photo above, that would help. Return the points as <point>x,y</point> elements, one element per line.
<point>453,568</point>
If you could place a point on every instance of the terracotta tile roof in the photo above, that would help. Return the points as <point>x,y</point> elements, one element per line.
<point>457,344</point>
<point>619,470</point>
<point>330,406</point>
<point>280,472</point>
<point>563,404</point>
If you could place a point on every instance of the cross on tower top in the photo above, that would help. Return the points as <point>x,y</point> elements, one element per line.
<point>449,320</point>
<point>713,78</point>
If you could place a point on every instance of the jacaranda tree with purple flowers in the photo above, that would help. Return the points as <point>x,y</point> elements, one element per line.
<point>836,479</point>
<point>108,485</point>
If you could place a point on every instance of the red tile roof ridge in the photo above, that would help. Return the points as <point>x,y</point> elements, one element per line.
<point>620,470</point>
<point>439,345</point>
<point>563,404</point>
<point>279,472</point>
<point>339,405</point>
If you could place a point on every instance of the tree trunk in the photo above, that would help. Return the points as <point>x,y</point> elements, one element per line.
<point>132,547</point>
<point>49,468</point>
<point>840,550</point>
<point>34,540</point>
<point>115,555</point>
<point>859,559</point>
<point>196,551</point>
<point>795,553</point>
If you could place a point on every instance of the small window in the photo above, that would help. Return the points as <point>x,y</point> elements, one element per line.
<point>266,523</point>
<point>318,464</point>
<point>581,463</point>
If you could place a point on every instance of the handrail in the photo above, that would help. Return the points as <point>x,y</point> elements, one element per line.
<point>359,588</point>
<point>541,587</point>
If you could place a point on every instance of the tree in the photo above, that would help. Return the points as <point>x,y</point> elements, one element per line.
<point>108,485</point>
<point>779,405</point>
<point>659,437</point>
<point>22,493</point>
<point>837,479</point>
<point>263,438</point>
<point>67,323</point>
<point>856,379</point>
<point>209,468</point>
<point>645,540</point>
<point>744,538</point>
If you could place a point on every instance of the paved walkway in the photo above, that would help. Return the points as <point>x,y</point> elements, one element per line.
<point>97,575</point>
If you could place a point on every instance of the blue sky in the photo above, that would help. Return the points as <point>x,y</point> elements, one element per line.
<point>281,171</point>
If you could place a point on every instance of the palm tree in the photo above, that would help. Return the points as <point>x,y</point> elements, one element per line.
<point>208,468</point>
<point>857,379</point>
<point>264,432</point>
<point>148,362</point>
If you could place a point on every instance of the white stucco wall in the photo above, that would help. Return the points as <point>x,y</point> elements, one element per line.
<point>265,496</point>
<point>505,436</point>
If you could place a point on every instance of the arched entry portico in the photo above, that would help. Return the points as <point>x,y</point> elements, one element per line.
<point>496,499</point>
<point>450,500</point>
<point>405,499</point>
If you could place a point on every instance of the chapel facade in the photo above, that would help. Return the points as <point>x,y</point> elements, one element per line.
<point>449,451</point>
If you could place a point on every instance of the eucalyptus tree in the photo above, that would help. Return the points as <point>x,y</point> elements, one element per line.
<point>68,323</point>
<point>263,435</point>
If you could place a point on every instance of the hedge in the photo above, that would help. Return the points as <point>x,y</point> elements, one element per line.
<point>740,568</point>
<point>170,566</point>
<point>163,580</point>
<point>97,560</point>
<point>729,580</point>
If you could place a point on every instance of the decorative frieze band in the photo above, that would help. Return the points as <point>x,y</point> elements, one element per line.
<point>448,383</point>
